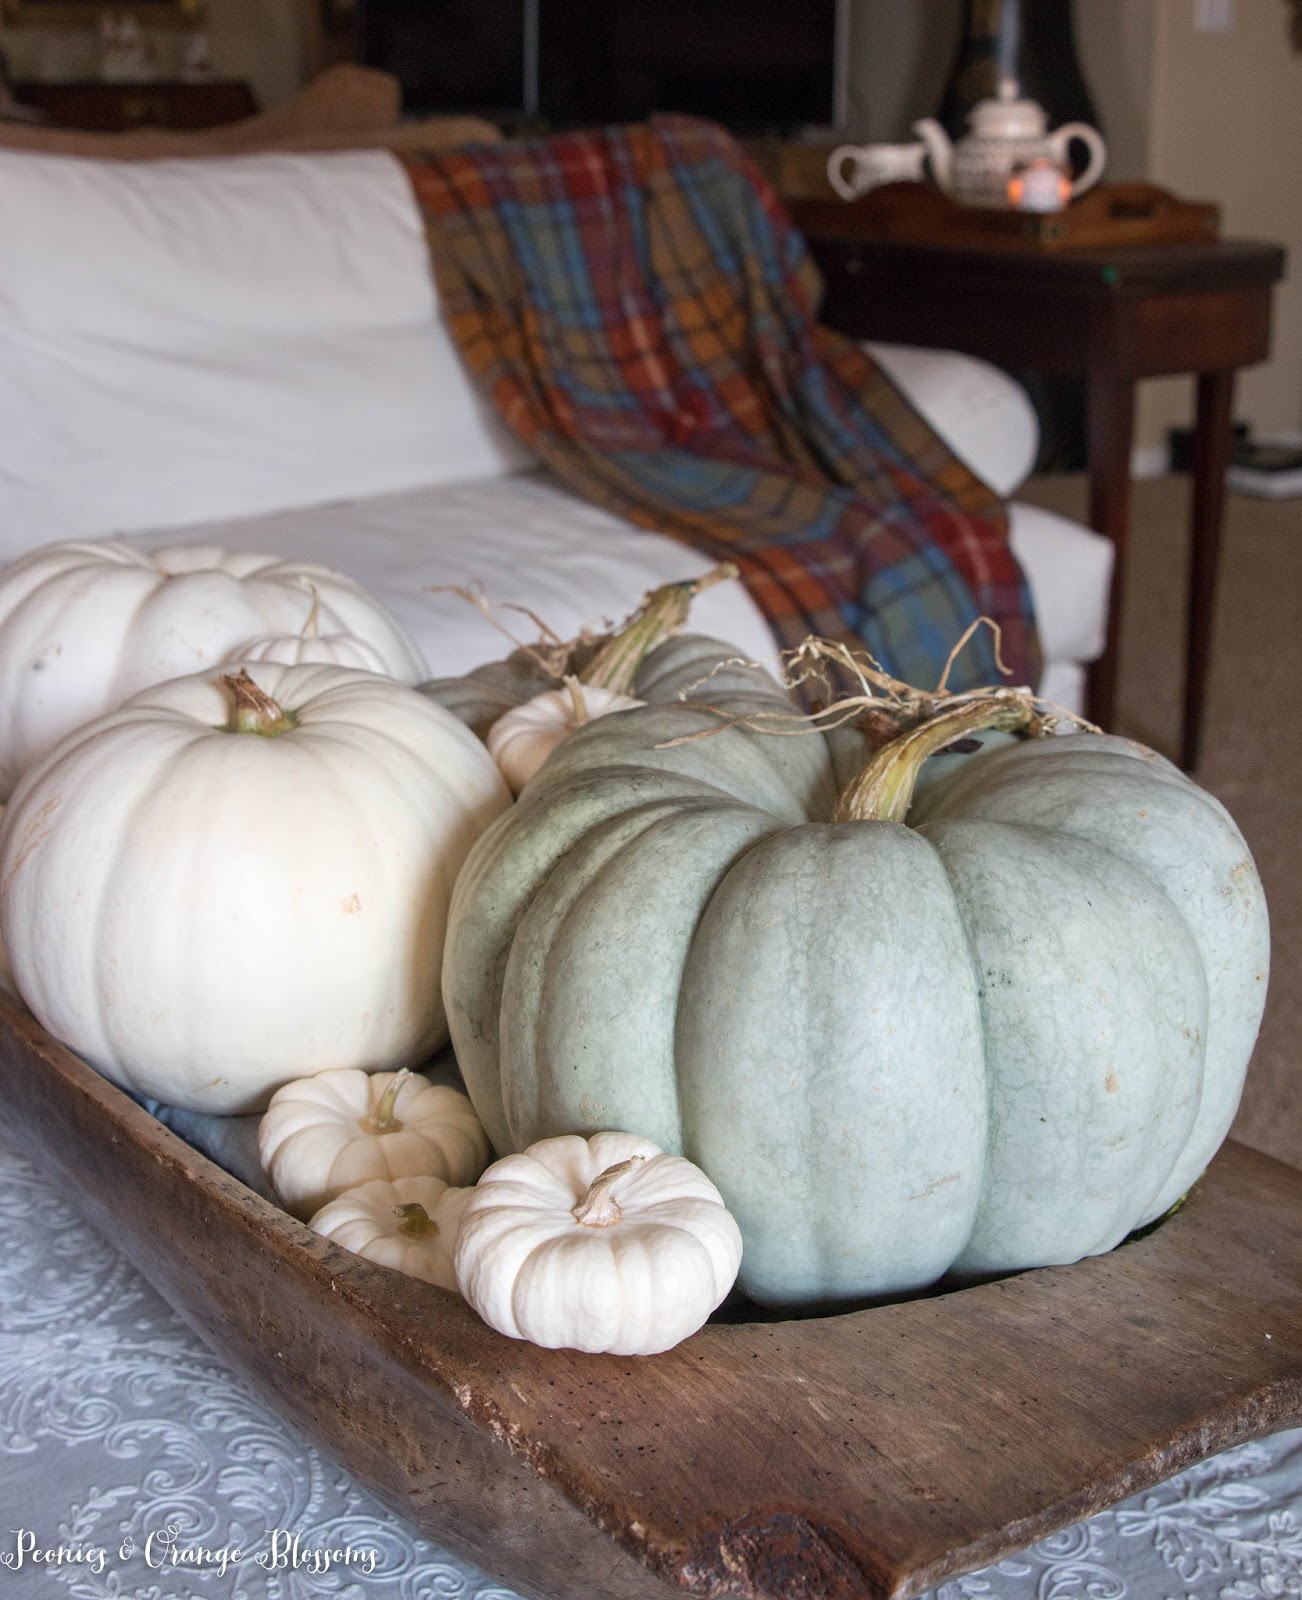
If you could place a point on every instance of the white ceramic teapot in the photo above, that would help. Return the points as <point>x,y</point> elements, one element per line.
<point>1006,135</point>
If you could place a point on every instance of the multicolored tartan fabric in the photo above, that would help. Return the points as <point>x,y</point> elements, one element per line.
<point>641,313</point>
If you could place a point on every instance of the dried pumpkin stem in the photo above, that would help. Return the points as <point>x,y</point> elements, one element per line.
<point>382,1119</point>
<point>576,699</point>
<point>252,710</point>
<point>661,615</point>
<point>883,790</point>
<point>598,1208</point>
<point>416,1221</point>
<point>313,622</point>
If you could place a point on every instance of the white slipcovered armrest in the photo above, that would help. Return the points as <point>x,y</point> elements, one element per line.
<point>981,413</point>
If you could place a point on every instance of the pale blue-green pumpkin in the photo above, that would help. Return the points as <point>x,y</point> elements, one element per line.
<point>1002,1032</point>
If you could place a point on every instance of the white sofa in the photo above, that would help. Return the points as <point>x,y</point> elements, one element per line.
<point>248,352</point>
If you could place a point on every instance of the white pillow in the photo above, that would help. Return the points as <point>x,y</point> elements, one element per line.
<point>188,340</point>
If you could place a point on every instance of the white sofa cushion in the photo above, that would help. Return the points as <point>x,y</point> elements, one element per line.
<point>983,415</point>
<point>189,340</point>
<point>523,538</point>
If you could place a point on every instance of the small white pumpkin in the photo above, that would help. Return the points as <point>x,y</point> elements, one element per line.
<point>310,646</point>
<point>410,1225</point>
<point>323,649</point>
<point>604,1244</point>
<point>85,625</point>
<point>521,739</point>
<point>232,881</point>
<point>335,1130</point>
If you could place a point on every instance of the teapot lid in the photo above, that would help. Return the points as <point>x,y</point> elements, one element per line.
<point>1008,116</point>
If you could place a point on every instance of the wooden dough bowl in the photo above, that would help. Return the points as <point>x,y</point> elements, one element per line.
<point>864,1455</point>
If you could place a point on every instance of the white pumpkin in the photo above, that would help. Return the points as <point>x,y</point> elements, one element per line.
<point>335,1130</point>
<point>410,1225</point>
<point>85,625</point>
<point>522,738</point>
<point>310,646</point>
<point>230,882</point>
<point>604,1244</point>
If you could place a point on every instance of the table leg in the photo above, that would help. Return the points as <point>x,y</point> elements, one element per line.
<point>1211,457</point>
<point>1110,420</point>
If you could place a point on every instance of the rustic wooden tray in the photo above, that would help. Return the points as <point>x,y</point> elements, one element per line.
<point>1111,216</point>
<point>865,1455</point>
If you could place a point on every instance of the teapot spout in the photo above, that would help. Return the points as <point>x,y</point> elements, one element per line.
<point>940,152</point>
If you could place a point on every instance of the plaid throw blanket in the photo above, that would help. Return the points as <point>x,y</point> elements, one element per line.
<point>641,313</point>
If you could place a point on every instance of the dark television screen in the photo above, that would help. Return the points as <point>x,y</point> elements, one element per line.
<point>761,64</point>
<point>764,63</point>
<point>448,55</point>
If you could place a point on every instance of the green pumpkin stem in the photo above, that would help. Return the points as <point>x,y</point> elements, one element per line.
<point>252,710</point>
<point>660,616</point>
<point>416,1221</point>
<point>598,1209</point>
<point>883,790</point>
<point>382,1119</point>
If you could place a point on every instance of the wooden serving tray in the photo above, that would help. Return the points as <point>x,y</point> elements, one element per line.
<point>1110,216</point>
<point>843,1458</point>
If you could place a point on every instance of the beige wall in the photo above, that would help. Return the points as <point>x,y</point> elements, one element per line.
<point>1226,125</point>
<point>260,41</point>
<point>1115,43</point>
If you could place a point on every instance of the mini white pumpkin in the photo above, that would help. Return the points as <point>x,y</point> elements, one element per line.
<point>231,881</point>
<point>604,1244</point>
<point>85,625</point>
<point>335,1130</point>
<point>410,1225</point>
<point>310,646</point>
<point>521,739</point>
<point>323,649</point>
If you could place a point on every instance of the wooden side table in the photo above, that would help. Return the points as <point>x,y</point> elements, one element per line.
<point>1115,315</point>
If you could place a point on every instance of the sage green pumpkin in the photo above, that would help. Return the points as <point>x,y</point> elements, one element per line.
<point>706,668</point>
<point>1002,1033</point>
<point>483,695</point>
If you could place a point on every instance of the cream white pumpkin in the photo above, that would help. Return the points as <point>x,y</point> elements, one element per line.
<point>335,1130</point>
<point>410,1225</point>
<point>604,1244</point>
<point>521,739</point>
<point>207,904</point>
<point>317,649</point>
<point>85,625</point>
<point>311,646</point>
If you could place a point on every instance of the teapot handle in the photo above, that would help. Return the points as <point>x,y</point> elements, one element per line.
<point>847,188</point>
<point>1092,139</point>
